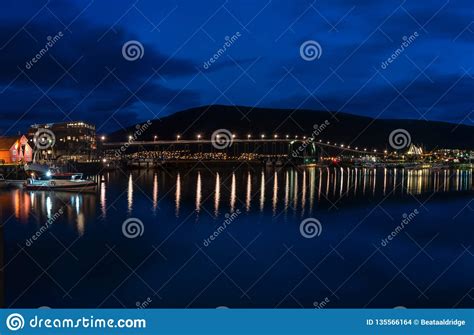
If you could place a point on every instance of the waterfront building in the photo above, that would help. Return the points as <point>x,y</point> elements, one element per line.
<point>15,149</point>
<point>75,140</point>
<point>413,150</point>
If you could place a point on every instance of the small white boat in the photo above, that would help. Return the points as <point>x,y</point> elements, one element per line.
<point>61,182</point>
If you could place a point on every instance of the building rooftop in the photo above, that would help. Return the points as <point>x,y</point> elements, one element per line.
<point>7,142</point>
<point>68,123</point>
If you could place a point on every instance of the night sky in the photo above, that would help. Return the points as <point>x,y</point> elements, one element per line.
<point>85,76</point>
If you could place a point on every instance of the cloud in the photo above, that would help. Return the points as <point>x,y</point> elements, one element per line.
<point>98,83</point>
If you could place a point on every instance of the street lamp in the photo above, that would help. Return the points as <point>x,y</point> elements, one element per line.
<point>178,137</point>
<point>155,137</point>
<point>263,136</point>
<point>287,136</point>
<point>249,136</point>
<point>275,136</point>
<point>102,138</point>
<point>199,137</point>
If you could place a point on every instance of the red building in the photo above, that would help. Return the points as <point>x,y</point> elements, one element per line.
<point>15,150</point>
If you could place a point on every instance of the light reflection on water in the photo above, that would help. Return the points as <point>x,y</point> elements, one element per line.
<point>278,191</point>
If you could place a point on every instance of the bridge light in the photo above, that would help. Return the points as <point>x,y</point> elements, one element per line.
<point>357,148</point>
<point>249,136</point>
<point>385,151</point>
<point>375,150</point>
<point>233,135</point>
<point>365,149</point>
<point>348,147</point>
<point>130,137</point>
<point>103,138</point>
<point>287,136</point>
<point>304,137</point>
<point>275,136</point>
<point>328,142</point>
<point>296,136</point>
<point>342,145</point>
<point>320,141</point>
<point>263,136</point>
<point>178,137</point>
<point>199,136</point>
<point>155,137</point>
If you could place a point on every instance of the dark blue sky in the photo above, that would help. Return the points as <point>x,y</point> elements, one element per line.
<point>84,75</point>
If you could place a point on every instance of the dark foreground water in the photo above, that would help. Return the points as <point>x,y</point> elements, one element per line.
<point>74,250</point>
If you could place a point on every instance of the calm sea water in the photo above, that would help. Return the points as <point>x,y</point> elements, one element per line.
<point>70,250</point>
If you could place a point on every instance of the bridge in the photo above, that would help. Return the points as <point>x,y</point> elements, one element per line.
<point>265,146</point>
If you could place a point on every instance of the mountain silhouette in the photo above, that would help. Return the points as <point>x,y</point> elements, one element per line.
<point>341,128</point>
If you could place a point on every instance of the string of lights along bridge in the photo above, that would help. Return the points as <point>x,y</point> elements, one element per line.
<point>249,139</point>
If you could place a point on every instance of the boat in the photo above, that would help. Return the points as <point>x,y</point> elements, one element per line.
<point>61,182</point>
